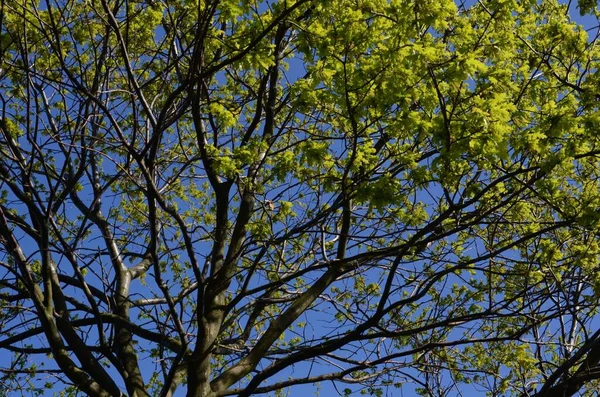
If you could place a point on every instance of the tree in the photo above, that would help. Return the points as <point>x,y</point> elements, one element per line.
<point>228,197</point>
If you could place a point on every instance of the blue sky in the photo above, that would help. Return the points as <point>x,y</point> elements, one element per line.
<point>317,324</point>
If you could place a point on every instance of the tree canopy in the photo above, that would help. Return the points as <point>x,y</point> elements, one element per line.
<point>233,197</point>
